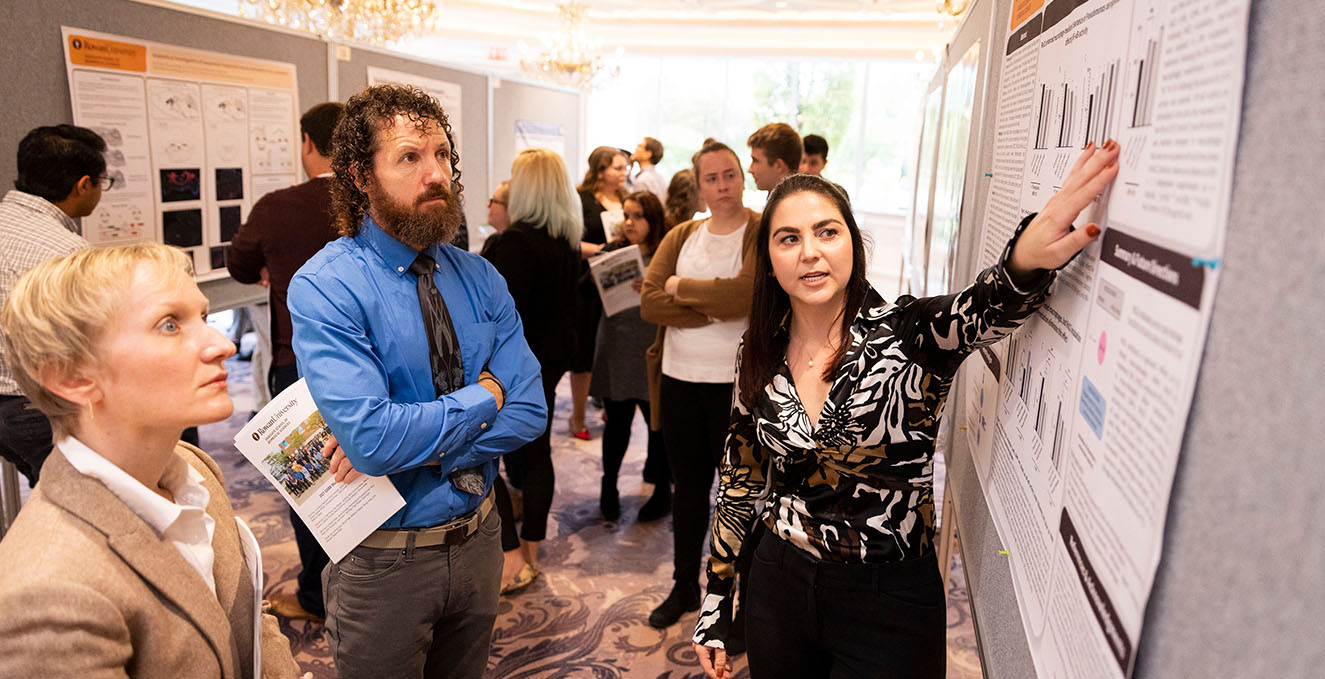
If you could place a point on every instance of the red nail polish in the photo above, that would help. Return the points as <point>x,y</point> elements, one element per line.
<point>1093,231</point>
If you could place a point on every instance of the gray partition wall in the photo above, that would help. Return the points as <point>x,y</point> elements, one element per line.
<point>1239,588</point>
<point>514,100</point>
<point>352,76</point>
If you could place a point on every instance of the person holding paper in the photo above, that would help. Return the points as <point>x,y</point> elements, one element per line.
<point>601,194</point>
<point>128,559</point>
<point>619,377</point>
<point>836,412</point>
<point>415,356</point>
<point>539,257</point>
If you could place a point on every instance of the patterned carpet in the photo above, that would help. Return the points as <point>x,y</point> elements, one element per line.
<point>586,616</point>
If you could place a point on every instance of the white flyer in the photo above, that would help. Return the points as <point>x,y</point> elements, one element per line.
<point>286,441</point>
<point>615,274</point>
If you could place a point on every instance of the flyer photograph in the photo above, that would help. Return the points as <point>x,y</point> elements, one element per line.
<point>614,274</point>
<point>286,441</point>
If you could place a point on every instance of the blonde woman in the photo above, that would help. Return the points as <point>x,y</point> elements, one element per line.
<point>127,559</point>
<point>538,255</point>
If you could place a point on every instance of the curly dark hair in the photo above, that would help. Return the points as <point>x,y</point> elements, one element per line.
<point>355,142</point>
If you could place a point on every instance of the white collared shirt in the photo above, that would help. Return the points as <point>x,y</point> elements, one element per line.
<point>184,523</point>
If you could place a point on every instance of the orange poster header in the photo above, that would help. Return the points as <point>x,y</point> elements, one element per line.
<point>1022,10</point>
<point>121,56</point>
<point>194,65</point>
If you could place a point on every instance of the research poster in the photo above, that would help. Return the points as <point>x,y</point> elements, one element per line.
<point>447,94</point>
<point>1076,420</point>
<point>193,139</point>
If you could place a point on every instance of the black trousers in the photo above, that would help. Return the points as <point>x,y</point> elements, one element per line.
<point>812,618</point>
<point>534,459</point>
<point>25,436</point>
<point>616,438</point>
<point>311,557</point>
<point>694,422</point>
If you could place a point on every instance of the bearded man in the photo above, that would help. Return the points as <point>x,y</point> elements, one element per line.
<point>415,355</point>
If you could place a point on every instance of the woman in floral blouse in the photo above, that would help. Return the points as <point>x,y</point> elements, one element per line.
<point>837,400</point>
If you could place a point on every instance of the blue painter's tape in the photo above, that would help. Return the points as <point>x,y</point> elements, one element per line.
<point>1209,263</point>
<point>1093,407</point>
<point>989,174</point>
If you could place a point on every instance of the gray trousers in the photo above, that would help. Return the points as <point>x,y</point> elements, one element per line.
<point>415,612</point>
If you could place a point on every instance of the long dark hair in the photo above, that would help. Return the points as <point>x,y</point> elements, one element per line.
<point>764,344</point>
<point>653,214</point>
<point>600,159</point>
<point>682,197</point>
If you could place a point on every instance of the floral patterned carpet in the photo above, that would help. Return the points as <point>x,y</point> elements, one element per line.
<point>586,615</point>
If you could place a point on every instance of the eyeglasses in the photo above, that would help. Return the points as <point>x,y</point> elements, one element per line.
<point>492,201</point>
<point>106,182</point>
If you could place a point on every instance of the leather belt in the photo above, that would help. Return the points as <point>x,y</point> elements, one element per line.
<point>453,532</point>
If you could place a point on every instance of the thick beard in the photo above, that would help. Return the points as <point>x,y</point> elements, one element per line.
<point>411,226</point>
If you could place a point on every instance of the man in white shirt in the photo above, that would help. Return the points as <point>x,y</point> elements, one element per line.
<point>647,155</point>
<point>61,174</point>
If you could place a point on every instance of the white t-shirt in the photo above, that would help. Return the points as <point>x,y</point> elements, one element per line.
<point>706,354</point>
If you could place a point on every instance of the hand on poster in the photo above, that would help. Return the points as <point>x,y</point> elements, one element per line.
<point>340,465</point>
<point>1050,240</point>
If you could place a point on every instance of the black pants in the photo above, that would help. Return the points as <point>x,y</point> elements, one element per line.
<point>535,461</point>
<point>616,438</point>
<point>311,557</point>
<point>694,419</point>
<point>25,436</point>
<point>812,618</point>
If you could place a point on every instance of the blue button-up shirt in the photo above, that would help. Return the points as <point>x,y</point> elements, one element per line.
<point>360,344</point>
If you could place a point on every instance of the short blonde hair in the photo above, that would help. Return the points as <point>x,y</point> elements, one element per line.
<point>541,195</point>
<point>57,311</point>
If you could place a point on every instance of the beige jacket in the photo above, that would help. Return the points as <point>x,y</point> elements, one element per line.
<point>696,301</point>
<point>89,590</point>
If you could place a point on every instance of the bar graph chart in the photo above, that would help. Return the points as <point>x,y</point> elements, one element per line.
<point>1143,69</point>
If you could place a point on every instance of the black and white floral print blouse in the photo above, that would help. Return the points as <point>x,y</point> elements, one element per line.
<point>858,487</point>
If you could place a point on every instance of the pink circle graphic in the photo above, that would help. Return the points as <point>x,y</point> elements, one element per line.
<point>1102,342</point>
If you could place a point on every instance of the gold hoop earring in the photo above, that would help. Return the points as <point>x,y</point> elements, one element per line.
<point>91,414</point>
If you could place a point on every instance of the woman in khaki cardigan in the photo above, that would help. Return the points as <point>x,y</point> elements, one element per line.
<point>128,559</point>
<point>698,292</point>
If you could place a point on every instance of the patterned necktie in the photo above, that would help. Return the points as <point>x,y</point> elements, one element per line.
<point>448,370</point>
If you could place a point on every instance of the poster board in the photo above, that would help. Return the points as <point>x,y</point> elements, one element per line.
<point>1225,601</point>
<point>193,138</point>
<point>38,84</point>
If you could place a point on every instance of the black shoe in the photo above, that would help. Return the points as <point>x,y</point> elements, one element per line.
<point>609,502</point>
<point>658,505</point>
<point>682,600</point>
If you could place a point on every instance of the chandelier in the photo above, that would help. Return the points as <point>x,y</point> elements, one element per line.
<point>953,7</point>
<point>570,58</point>
<point>376,22</point>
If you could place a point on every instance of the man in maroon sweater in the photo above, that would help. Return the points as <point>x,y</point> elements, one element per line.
<point>284,229</point>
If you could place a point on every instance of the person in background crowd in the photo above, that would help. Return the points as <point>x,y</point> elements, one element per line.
<point>128,559</point>
<point>619,375</point>
<point>836,414</point>
<point>775,154</point>
<point>284,229</point>
<point>647,155</point>
<point>682,198</point>
<point>427,393</point>
<point>61,175</point>
<point>539,257</point>
<point>697,291</point>
<point>498,216</point>
<point>601,194</point>
<point>816,155</point>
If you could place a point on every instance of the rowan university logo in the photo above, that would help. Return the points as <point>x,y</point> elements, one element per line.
<point>256,437</point>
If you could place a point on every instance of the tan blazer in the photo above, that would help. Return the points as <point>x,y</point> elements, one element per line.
<point>89,590</point>
<point>696,301</point>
